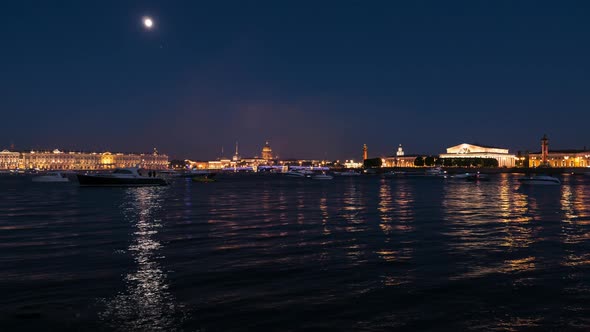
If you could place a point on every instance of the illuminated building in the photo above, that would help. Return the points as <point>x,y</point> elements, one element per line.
<point>352,164</point>
<point>238,162</point>
<point>267,152</point>
<point>478,151</point>
<point>9,160</point>
<point>59,160</point>
<point>365,152</point>
<point>559,158</point>
<point>400,159</point>
<point>197,164</point>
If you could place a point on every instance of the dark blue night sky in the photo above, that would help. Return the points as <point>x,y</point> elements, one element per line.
<point>316,79</point>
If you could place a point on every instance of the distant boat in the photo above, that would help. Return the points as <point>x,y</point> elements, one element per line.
<point>540,179</point>
<point>437,171</point>
<point>347,173</point>
<point>120,177</point>
<point>51,177</point>
<point>322,176</point>
<point>194,172</point>
<point>299,174</point>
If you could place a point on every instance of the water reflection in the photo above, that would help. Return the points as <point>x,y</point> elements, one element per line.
<point>468,208</point>
<point>352,211</point>
<point>396,205</point>
<point>353,208</point>
<point>324,213</point>
<point>385,206</point>
<point>146,303</point>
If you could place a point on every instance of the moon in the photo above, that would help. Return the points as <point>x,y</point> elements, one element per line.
<point>148,22</point>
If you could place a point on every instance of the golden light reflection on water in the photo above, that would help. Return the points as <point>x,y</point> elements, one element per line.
<point>575,218</point>
<point>468,207</point>
<point>352,208</point>
<point>385,206</point>
<point>396,205</point>
<point>355,225</point>
<point>145,304</point>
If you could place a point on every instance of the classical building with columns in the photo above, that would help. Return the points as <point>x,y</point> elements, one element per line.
<point>60,160</point>
<point>467,150</point>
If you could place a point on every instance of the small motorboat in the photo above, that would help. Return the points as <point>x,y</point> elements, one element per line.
<point>51,177</point>
<point>540,179</point>
<point>322,176</point>
<point>121,177</point>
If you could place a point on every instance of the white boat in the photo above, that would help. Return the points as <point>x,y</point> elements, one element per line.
<point>437,171</point>
<point>540,179</point>
<point>298,174</point>
<point>322,176</point>
<point>51,177</point>
<point>124,177</point>
<point>347,173</point>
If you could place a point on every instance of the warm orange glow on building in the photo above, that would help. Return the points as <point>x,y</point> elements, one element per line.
<point>59,160</point>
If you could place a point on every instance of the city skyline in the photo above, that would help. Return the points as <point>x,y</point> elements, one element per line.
<point>315,83</point>
<point>253,152</point>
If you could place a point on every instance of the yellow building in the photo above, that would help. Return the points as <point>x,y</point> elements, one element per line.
<point>561,158</point>
<point>59,160</point>
<point>466,150</point>
<point>9,160</point>
<point>400,159</point>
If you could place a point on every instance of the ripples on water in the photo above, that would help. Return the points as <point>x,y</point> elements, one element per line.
<point>269,253</point>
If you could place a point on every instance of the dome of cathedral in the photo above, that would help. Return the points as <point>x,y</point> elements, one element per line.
<point>266,151</point>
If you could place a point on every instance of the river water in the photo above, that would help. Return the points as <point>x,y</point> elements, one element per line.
<point>267,253</point>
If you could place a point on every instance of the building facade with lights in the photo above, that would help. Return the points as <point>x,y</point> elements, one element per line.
<point>561,158</point>
<point>60,160</point>
<point>9,160</point>
<point>400,159</point>
<point>467,150</point>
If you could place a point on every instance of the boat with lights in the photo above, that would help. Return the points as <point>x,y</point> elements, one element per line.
<point>121,177</point>
<point>540,180</point>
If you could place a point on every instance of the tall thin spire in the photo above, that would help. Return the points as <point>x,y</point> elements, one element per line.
<point>236,148</point>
